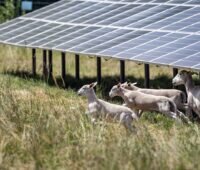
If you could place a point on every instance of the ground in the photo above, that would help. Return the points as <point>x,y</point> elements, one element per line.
<point>44,126</point>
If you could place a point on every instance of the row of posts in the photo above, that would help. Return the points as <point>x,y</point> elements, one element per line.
<point>48,67</point>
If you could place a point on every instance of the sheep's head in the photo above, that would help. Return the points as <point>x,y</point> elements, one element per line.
<point>182,77</point>
<point>115,91</point>
<point>129,86</point>
<point>86,89</point>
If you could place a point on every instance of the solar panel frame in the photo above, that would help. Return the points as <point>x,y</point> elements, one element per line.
<point>44,35</point>
<point>182,40</point>
<point>25,38</point>
<point>38,43</point>
<point>109,14</point>
<point>9,23</point>
<point>62,13</point>
<point>9,28</point>
<point>153,19</point>
<point>78,13</point>
<point>20,32</point>
<point>96,13</point>
<point>56,9</point>
<point>138,11</point>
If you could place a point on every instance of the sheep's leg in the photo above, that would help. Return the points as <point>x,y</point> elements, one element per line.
<point>189,113</point>
<point>140,113</point>
<point>197,112</point>
<point>137,111</point>
<point>183,117</point>
<point>174,116</point>
<point>130,127</point>
<point>181,106</point>
<point>94,117</point>
<point>170,114</point>
<point>188,110</point>
<point>127,120</point>
<point>94,121</point>
<point>179,103</point>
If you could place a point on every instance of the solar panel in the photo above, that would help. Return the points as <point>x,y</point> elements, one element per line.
<point>165,32</point>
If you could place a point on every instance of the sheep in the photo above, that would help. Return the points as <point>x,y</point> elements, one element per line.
<point>140,101</point>
<point>101,109</point>
<point>185,78</point>
<point>177,96</point>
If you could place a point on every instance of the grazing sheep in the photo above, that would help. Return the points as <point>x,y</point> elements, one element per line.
<point>185,78</point>
<point>177,96</point>
<point>141,101</point>
<point>101,109</point>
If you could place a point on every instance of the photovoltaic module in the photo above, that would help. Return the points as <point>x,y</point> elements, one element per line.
<point>163,32</point>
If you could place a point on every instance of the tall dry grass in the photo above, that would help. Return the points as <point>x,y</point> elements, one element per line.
<point>43,127</point>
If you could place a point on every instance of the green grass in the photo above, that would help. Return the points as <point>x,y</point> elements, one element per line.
<point>44,127</point>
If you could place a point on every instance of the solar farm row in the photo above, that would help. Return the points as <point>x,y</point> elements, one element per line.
<point>143,31</point>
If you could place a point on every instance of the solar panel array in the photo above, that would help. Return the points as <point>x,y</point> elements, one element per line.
<point>165,32</point>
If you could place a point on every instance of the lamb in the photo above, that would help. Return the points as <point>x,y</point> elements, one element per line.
<point>177,96</point>
<point>101,109</point>
<point>140,101</point>
<point>185,78</point>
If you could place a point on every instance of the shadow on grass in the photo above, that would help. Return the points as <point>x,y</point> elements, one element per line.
<point>162,81</point>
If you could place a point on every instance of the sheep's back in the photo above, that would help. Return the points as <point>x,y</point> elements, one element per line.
<point>161,92</point>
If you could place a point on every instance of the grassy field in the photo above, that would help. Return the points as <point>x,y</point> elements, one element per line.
<point>44,127</point>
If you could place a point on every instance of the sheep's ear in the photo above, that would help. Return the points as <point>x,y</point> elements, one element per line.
<point>183,71</point>
<point>125,82</point>
<point>129,84</point>
<point>134,83</point>
<point>93,84</point>
<point>119,85</point>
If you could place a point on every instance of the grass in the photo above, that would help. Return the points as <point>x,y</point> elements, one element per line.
<point>44,127</point>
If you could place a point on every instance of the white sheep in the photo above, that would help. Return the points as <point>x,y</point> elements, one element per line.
<point>185,78</point>
<point>99,109</point>
<point>140,101</point>
<point>177,96</point>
